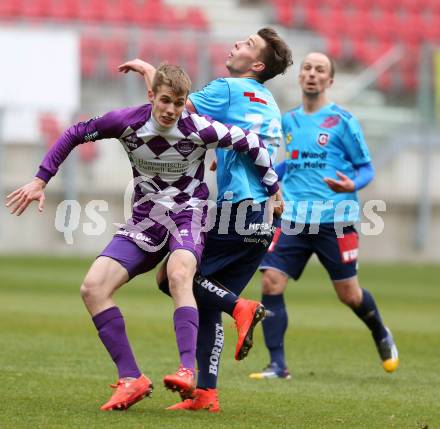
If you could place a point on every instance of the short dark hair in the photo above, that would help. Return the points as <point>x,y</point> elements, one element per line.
<point>332,67</point>
<point>276,56</point>
<point>174,77</point>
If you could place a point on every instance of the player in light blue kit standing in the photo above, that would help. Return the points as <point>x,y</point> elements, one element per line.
<point>233,252</point>
<point>327,161</point>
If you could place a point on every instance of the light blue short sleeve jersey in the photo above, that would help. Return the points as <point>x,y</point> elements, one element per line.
<point>249,105</point>
<point>318,145</point>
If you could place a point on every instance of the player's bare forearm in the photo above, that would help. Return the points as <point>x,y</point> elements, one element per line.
<point>142,67</point>
<point>20,199</point>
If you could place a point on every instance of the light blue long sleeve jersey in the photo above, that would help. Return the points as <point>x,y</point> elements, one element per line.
<point>248,104</point>
<point>318,145</point>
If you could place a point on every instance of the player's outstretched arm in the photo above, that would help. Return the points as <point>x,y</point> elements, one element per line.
<point>20,199</point>
<point>233,137</point>
<point>142,67</point>
<point>147,71</point>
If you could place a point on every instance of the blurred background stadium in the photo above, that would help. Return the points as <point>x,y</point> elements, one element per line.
<point>59,64</point>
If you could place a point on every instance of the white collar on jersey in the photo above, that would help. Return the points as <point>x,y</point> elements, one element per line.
<point>159,128</point>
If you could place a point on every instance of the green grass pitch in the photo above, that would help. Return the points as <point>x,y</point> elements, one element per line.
<point>55,372</point>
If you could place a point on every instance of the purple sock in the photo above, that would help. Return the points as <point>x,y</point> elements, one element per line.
<point>111,329</point>
<point>186,325</point>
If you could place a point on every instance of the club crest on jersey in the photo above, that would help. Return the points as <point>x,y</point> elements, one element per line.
<point>185,146</point>
<point>323,139</point>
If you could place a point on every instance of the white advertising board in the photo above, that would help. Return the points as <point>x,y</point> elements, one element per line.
<point>40,69</point>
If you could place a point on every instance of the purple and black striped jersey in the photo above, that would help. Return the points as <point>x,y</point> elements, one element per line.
<point>167,163</point>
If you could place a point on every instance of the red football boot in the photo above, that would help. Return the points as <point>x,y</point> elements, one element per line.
<point>246,314</point>
<point>183,381</point>
<point>203,400</point>
<point>128,392</point>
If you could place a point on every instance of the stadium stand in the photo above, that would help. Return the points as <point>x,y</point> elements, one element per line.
<point>100,52</point>
<point>123,12</point>
<point>365,30</point>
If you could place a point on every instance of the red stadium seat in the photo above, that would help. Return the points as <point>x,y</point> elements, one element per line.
<point>90,52</point>
<point>312,16</point>
<point>114,49</point>
<point>91,11</point>
<point>431,27</point>
<point>218,54</point>
<point>336,4</point>
<point>190,58</point>
<point>413,6</point>
<point>170,50</point>
<point>334,47</point>
<point>369,51</point>
<point>196,19</point>
<point>34,8</point>
<point>386,5</point>
<point>385,81</point>
<point>410,80</point>
<point>113,12</point>
<point>361,5</point>
<point>63,10</point>
<point>153,14</point>
<point>384,25</point>
<point>434,6</point>
<point>411,28</point>
<point>9,9</point>
<point>409,67</point>
<point>284,14</point>
<point>358,25</point>
<point>149,50</point>
<point>50,128</point>
<point>170,18</point>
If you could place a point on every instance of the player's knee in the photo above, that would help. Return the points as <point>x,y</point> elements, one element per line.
<point>178,276</point>
<point>272,283</point>
<point>90,289</point>
<point>350,298</point>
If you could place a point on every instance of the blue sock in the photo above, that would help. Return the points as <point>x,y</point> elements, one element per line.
<point>370,315</point>
<point>274,327</point>
<point>210,294</point>
<point>209,347</point>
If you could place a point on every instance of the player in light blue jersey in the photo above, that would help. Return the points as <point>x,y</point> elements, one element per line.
<point>247,103</point>
<point>327,161</point>
<point>237,243</point>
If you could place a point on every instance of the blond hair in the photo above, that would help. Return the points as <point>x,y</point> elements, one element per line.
<point>174,77</point>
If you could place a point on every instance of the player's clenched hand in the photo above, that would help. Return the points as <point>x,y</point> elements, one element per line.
<point>345,184</point>
<point>213,166</point>
<point>275,206</point>
<point>137,65</point>
<point>279,204</point>
<point>22,197</point>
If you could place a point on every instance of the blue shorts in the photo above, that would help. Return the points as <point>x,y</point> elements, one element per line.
<point>289,254</point>
<point>231,257</point>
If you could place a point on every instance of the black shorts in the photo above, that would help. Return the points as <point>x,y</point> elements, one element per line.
<point>230,256</point>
